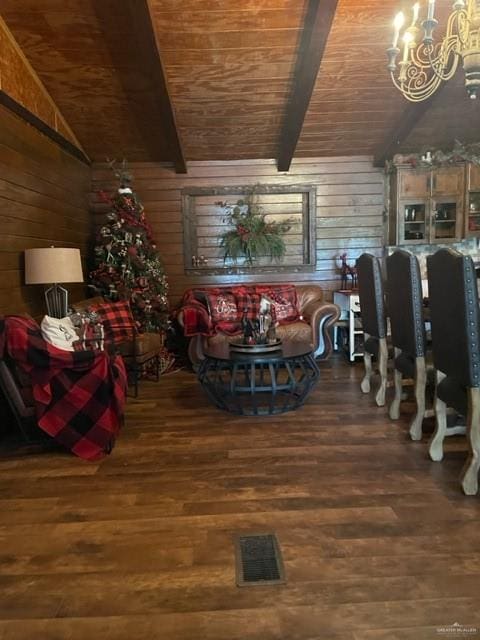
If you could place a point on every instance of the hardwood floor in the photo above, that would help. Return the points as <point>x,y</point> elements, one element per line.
<point>378,542</point>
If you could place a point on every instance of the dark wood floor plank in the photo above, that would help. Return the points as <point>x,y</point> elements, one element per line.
<point>378,542</point>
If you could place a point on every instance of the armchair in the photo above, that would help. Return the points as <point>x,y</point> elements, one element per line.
<point>76,397</point>
<point>137,349</point>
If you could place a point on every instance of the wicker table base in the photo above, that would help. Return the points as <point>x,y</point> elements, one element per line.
<point>259,384</point>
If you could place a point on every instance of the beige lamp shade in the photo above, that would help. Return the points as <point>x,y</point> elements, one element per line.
<point>52,265</point>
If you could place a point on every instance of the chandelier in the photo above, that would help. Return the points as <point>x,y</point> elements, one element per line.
<point>424,64</point>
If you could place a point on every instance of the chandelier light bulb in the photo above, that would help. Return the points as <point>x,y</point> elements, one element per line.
<point>399,20</point>
<point>415,10</point>
<point>407,39</point>
<point>398,23</point>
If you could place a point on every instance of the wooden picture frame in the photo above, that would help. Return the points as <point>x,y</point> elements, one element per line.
<point>203,220</point>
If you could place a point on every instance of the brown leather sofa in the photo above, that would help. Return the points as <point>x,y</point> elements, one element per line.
<point>317,316</point>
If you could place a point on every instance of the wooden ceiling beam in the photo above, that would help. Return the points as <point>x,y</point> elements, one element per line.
<point>402,128</point>
<point>151,84</point>
<point>318,22</point>
<point>36,122</point>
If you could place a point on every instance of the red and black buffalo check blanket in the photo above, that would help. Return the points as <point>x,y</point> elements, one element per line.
<point>79,395</point>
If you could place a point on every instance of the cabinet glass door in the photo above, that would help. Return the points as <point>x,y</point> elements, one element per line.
<point>473,212</point>
<point>444,220</point>
<point>413,217</point>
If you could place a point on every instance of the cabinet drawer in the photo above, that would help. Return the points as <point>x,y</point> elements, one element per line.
<point>448,181</point>
<point>413,183</point>
<point>474,183</point>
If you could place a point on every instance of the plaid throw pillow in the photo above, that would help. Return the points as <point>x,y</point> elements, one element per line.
<point>117,320</point>
<point>248,301</point>
<point>284,300</point>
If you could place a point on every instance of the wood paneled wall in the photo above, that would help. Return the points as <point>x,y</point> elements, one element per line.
<point>349,213</point>
<point>43,202</point>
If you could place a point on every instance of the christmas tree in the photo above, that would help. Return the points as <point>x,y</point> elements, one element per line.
<point>127,263</point>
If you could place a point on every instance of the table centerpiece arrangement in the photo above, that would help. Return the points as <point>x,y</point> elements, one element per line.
<point>258,334</point>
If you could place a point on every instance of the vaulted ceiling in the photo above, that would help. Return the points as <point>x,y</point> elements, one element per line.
<point>232,77</point>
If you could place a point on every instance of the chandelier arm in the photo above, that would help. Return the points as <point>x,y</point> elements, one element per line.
<point>463,28</point>
<point>422,93</point>
<point>423,62</point>
<point>442,60</point>
<point>426,65</point>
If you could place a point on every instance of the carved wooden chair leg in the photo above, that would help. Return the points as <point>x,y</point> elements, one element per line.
<point>367,360</point>
<point>382,367</point>
<point>420,385</point>
<point>470,476</point>
<point>394,411</point>
<point>435,449</point>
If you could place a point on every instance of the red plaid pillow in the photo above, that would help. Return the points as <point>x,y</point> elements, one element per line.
<point>117,320</point>
<point>222,306</point>
<point>247,300</point>
<point>284,299</point>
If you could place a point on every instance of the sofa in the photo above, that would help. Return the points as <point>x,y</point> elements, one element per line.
<point>209,315</point>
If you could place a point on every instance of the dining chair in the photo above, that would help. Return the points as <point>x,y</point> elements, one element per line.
<point>407,323</point>
<point>372,309</point>
<point>453,302</point>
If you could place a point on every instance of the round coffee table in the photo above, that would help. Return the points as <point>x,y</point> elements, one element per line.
<point>259,384</point>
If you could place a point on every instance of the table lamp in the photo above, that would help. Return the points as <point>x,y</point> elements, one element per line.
<point>49,266</point>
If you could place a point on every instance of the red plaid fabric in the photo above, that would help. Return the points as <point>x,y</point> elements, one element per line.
<point>284,299</point>
<point>247,300</point>
<point>78,395</point>
<point>196,319</point>
<point>117,320</point>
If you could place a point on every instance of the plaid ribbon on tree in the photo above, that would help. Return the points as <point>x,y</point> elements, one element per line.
<point>78,395</point>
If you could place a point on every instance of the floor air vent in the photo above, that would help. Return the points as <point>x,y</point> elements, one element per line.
<point>259,561</point>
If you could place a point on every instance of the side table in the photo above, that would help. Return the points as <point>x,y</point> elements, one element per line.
<point>349,303</point>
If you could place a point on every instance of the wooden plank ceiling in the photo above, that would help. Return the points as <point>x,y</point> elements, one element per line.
<point>229,68</point>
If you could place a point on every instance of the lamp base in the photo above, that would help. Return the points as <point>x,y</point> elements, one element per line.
<point>56,298</point>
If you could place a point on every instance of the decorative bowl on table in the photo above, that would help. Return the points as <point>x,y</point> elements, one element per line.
<point>242,347</point>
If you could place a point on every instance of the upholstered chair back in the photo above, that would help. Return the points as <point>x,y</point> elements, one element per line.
<point>453,301</point>
<point>405,303</point>
<point>370,289</point>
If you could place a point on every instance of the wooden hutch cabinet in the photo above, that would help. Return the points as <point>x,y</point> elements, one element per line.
<point>426,206</point>
<point>472,201</point>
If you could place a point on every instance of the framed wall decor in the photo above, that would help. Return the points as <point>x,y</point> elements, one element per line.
<point>288,209</point>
